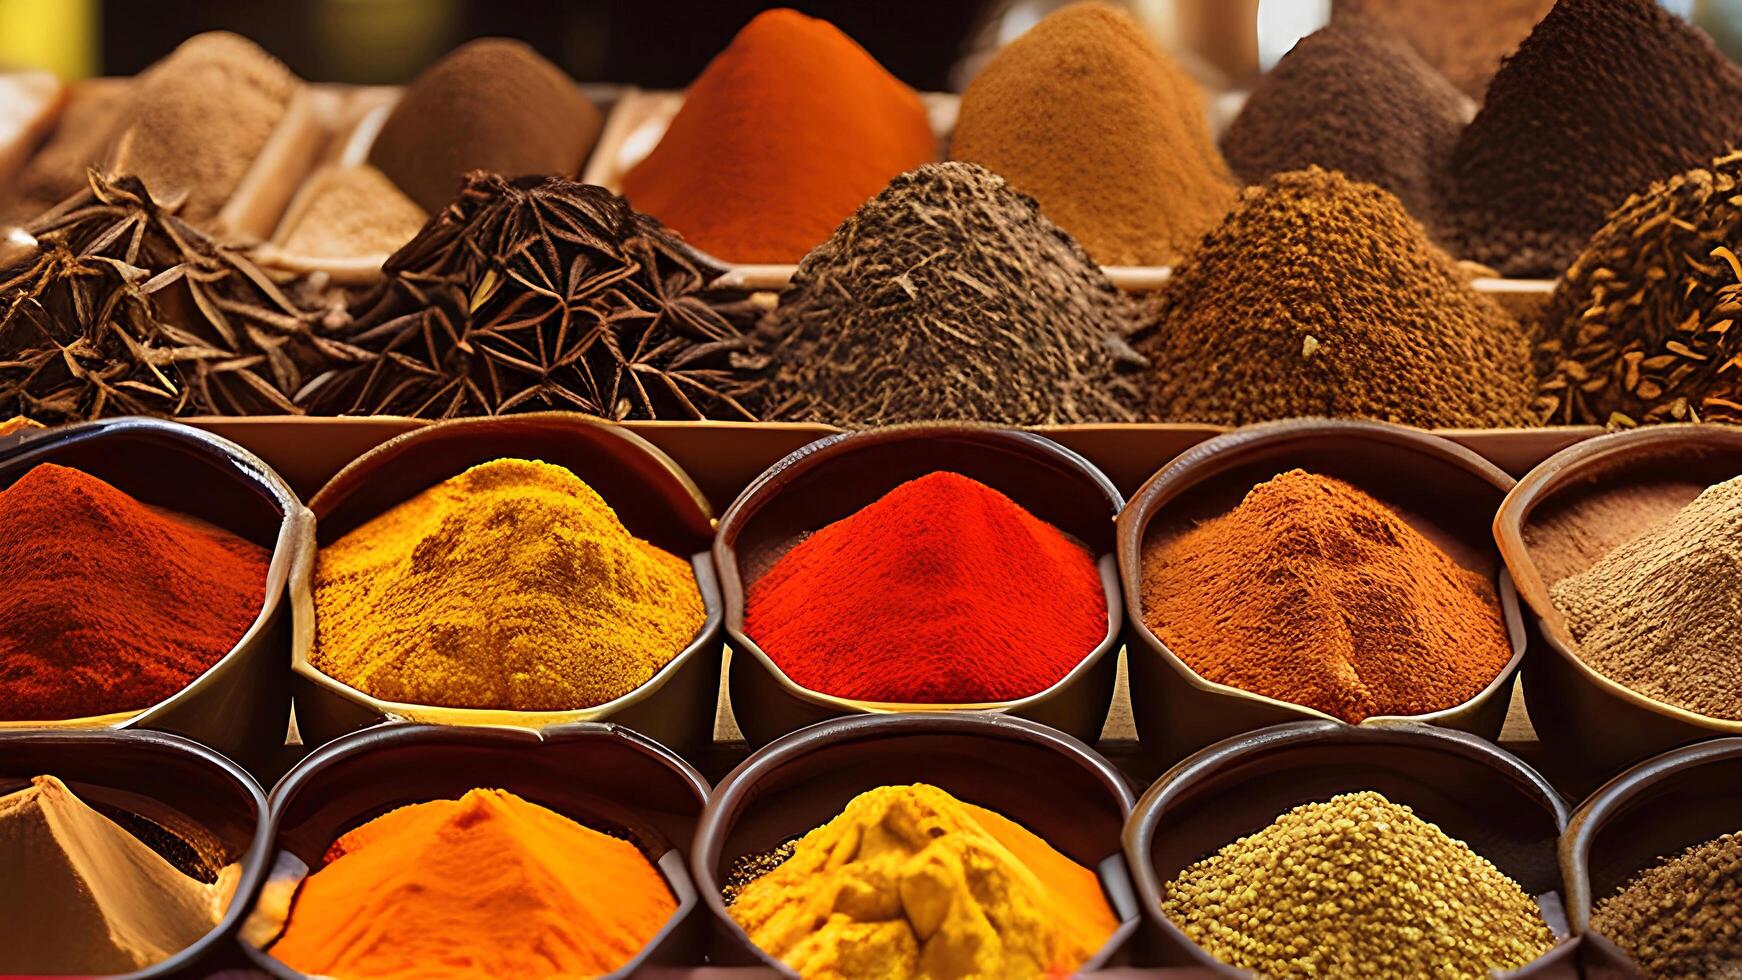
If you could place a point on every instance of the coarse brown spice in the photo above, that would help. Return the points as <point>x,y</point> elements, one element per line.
<point>1681,919</point>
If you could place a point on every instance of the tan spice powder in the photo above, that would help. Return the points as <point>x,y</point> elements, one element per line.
<point>354,212</point>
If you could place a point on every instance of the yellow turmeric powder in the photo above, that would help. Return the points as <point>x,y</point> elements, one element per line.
<point>909,882</point>
<point>510,586</point>
<point>488,885</point>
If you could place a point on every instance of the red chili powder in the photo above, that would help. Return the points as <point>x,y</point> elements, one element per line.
<point>109,604</point>
<point>943,591</point>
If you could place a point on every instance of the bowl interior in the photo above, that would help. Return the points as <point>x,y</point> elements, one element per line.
<point>1681,808</point>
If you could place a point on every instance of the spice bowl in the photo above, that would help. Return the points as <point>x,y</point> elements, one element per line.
<point>600,775</point>
<point>837,476</point>
<point>195,808</point>
<point>1563,516</point>
<point>241,704</point>
<point>1655,810</point>
<point>1468,787</point>
<point>1050,783</point>
<point>651,495</point>
<point>1443,490</point>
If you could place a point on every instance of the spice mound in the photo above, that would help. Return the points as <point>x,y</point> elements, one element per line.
<point>1085,113</point>
<point>1315,593</point>
<point>487,885</point>
<point>1464,41</point>
<point>1603,97</point>
<point>944,591</point>
<point>1352,97</point>
<point>511,586</point>
<point>80,139</point>
<point>112,605</point>
<point>84,896</point>
<point>779,139</point>
<point>491,104</point>
<point>352,212</point>
<point>1677,919</point>
<point>910,882</point>
<point>950,296</point>
<point>1319,295</point>
<point>1659,614</point>
<point>1356,886</point>
<point>1638,329</point>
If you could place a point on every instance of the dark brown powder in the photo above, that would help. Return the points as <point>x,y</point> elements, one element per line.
<point>1464,39</point>
<point>1679,919</point>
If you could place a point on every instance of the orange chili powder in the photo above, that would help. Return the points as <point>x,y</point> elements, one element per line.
<point>783,135</point>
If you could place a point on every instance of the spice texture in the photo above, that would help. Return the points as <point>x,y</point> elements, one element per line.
<point>1085,113</point>
<point>942,591</point>
<point>1356,886</point>
<point>1678,919</point>
<point>56,171</point>
<point>510,586</point>
<point>1465,41</point>
<point>486,885</point>
<point>353,212</point>
<point>111,605</point>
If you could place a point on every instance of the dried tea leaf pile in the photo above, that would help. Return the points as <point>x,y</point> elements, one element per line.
<point>949,296</point>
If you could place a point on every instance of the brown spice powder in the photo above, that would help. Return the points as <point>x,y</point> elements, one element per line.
<point>354,212</point>
<point>1679,919</point>
<point>81,138</point>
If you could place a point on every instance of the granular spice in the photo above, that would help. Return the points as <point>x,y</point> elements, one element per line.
<point>943,591</point>
<point>1679,918</point>
<point>111,605</point>
<point>56,171</point>
<point>1085,113</point>
<point>1659,614</point>
<point>1603,98</point>
<point>1357,886</point>
<point>353,212</point>
<point>1466,41</point>
<point>779,139</point>
<point>1315,593</point>
<point>1319,295</point>
<point>950,296</point>
<point>510,586</point>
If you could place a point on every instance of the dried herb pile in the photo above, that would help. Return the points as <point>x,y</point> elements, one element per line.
<point>542,293</point>
<point>1642,327</point>
<point>950,296</point>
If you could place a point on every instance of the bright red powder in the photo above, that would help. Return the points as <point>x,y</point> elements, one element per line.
<point>944,591</point>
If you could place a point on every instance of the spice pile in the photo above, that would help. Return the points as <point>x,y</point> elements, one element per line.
<point>943,591</point>
<point>1085,113</point>
<point>1659,614</point>
<point>1678,918</point>
<point>1465,41</point>
<point>1603,98</point>
<point>778,140</point>
<point>1356,885</point>
<point>909,881</point>
<point>111,605</point>
<point>1638,329</point>
<point>950,296</point>
<point>56,171</point>
<point>510,586</point>
<point>352,212</point>
<point>1319,296</point>
<point>486,885</point>
<point>83,896</point>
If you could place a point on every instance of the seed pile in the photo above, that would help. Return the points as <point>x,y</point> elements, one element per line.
<point>1353,97</point>
<point>1319,296</point>
<point>950,296</point>
<point>1659,614</point>
<point>1465,41</point>
<point>1356,886</point>
<point>1678,919</point>
<point>1603,98</point>
<point>1639,327</point>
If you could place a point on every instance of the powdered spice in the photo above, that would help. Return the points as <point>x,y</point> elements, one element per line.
<point>1313,592</point>
<point>1465,41</point>
<point>1678,918</point>
<point>80,140</point>
<point>353,212</point>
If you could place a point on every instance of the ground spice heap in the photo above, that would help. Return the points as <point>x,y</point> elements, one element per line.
<point>1465,41</point>
<point>779,139</point>
<point>943,591</point>
<point>352,212</point>
<point>491,104</point>
<point>1320,296</point>
<point>910,882</point>
<point>1356,885</point>
<point>84,896</point>
<point>1677,919</point>
<point>1085,113</point>
<point>80,140</point>
<point>510,586</point>
<point>1639,327</point>
<point>111,605</point>
<point>486,885</point>
<point>542,294</point>
<point>1315,593</point>
<point>1659,614</point>
<point>950,296</point>
<point>1603,98</point>
<point>1352,97</point>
